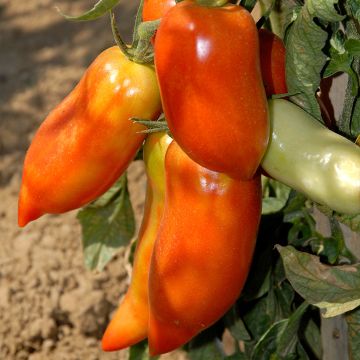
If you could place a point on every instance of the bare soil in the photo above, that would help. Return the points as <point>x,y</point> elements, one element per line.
<point>51,307</point>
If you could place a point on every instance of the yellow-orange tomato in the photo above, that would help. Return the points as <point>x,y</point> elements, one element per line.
<point>203,251</point>
<point>130,322</point>
<point>88,140</point>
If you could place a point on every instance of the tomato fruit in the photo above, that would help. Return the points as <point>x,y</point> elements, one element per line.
<point>130,322</point>
<point>272,60</point>
<point>88,140</point>
<point>203,251</point>
<point>312,159</point>
<point>215,111</point>
<point>156,9</point>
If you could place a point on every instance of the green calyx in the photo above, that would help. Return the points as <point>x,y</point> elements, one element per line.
<point>141,49</point>
<point>152,126</point>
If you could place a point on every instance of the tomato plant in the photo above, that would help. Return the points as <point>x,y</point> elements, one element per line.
<point>220,246</point>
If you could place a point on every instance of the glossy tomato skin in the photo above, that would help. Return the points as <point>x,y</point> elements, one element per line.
<point>156,9</point>
<point>272,60</point>
<point>130,322</point>
<point>208,66</point>
<point>88,140</point>
<point>310,158</point>
<point>203,251</point>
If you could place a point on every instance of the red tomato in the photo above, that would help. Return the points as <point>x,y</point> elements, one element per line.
<point>272,60</point>
<point>208,66</point>
<point>203,251</point>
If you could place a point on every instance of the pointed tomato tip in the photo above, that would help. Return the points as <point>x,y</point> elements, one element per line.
<point>27,212</point>
<point>109,341</point>
<point>166,337</point>
<point>107,344</point>
<point>25,217</point>
<point>128,326</point>
<point>22,222</point>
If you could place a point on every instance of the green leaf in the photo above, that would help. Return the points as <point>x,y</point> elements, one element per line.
<point>275,195</point>
<point>140,351</point>
<point>288,339</point>
<point>259,317</point>
<point>303,233</point>
<point>305,60</point>
<point>335,289</point>
<point>236,326</point>
<point>354,6</point>
<point>107,224</point>
<point>284,295</point>
<point>200,349</point>
<point>333,309</point>
<point>332,248</point>
<point>324,10</point>
<point>302,355</point>
<point>258,281</point>
<point>237,356</point>
<point>338,63</point>
<point>341,60</point>
<point>272,307</point>
<point>280,340</point>
<point>353,46</point>
<point>312,337</point>
<point>289,11</point>
<point>99,9</point>
<point>303,227</point>
<point>349,122</point>
<point>353,322</point>
<point>296,202</point>
<point>355,120</point>
<point>248,4</point>
<point>265,349</point>
<point>353,221</point>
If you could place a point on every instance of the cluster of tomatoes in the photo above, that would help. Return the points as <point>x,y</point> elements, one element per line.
<point>214,71</point>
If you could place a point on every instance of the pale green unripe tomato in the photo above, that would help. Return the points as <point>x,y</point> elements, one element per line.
<point>310,158</point>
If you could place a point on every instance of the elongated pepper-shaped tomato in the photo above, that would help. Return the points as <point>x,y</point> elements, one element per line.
<point>203,251</point>
<point>208,67</point>
<point>272,48</point>
<point>307,156</point>
<point>88,140</point>
<point>130,322</point>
